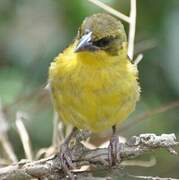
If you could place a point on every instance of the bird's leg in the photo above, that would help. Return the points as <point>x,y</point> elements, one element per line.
<point>113,148</point>
<point>65,154</point>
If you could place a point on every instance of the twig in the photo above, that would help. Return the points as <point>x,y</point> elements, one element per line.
<point>8,149</point>
<point>145,45</point>
<point>138,59</point>
<point>60,131</point>
<point>111,10</point>
<point>150,163</point>
<point>151,177</point>
<point>51,167</point>
<point>148,114</point>
<point>132,28</point>
<point>58,135</point>
<point>21,129</point>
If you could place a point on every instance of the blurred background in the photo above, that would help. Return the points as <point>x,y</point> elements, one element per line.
<point>33,32</point>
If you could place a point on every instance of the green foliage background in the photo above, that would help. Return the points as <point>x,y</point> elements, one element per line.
<point>33,32</point>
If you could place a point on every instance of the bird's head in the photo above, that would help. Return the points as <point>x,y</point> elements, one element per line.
<point>100,32</point>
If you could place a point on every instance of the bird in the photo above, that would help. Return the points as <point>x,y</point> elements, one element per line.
<point>93,83</point>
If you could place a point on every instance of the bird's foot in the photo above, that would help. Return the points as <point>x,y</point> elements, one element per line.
<point>65,157</point>
<point>114,151</point>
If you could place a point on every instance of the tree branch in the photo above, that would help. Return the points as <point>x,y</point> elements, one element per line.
<point>51,168</point>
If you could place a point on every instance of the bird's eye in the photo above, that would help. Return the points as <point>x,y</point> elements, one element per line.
<point>102,42</point>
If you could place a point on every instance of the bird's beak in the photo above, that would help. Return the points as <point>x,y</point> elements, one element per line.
<point>85,43</point>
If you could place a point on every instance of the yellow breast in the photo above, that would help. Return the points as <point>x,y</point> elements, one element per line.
<point>93,90</point>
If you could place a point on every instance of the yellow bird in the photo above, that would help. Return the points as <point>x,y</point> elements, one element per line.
<point>94,85</point>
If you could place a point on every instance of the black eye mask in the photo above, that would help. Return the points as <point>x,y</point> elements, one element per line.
<point>102,42</point>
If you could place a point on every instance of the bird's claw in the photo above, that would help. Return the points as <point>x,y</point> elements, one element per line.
<point>114,151</point>
<point>65,157</point>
